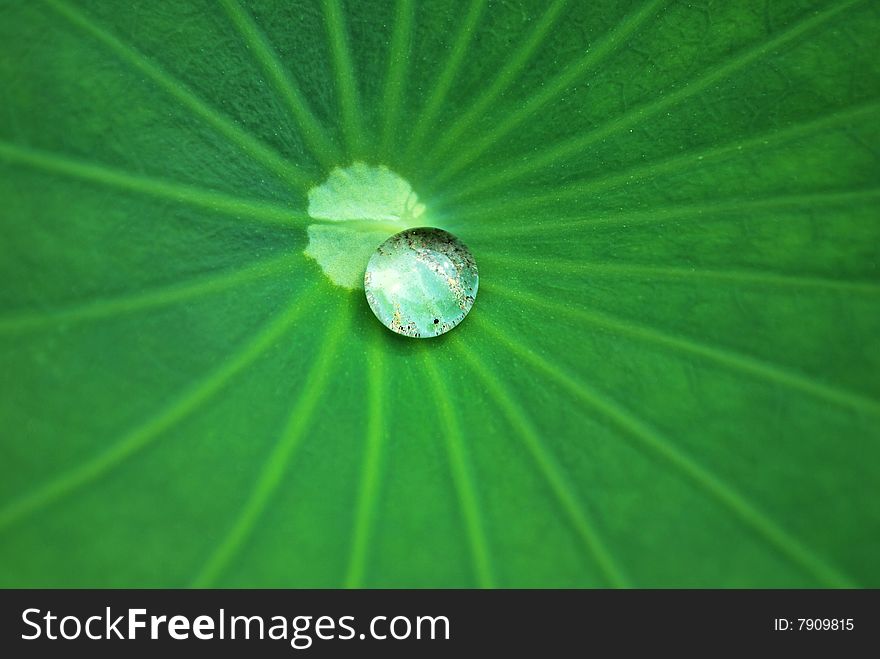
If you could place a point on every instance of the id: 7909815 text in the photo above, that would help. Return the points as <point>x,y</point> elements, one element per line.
<point>813,624</point>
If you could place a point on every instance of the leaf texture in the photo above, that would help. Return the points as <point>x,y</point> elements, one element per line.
<point>670,375</point>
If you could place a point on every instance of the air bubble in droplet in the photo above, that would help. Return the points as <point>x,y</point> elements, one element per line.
<point>421,282</point>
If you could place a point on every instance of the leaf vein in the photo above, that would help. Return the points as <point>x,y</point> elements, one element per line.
<point>134,441</point>
<point>577,144</point>
<point>462,479</point>
<point>312,130</point>
<point>252,146</point>
<point>187,194</point>
<point>562,490</point>
<point>275,466</point>
<point>648,438</point>
<point>721,355</point>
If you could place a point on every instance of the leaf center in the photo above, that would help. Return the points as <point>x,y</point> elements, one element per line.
<point>357,208</point>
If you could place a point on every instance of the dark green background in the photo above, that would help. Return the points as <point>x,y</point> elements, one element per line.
<point>670,376</point>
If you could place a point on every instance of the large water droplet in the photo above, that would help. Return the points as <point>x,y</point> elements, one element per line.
<point>421,282</point>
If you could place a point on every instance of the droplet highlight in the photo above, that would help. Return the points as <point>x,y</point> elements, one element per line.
<point>421,282</point>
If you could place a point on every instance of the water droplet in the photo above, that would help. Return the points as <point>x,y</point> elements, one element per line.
<point>421,282</point>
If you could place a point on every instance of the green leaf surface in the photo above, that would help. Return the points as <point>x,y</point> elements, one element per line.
<point>670,375</point>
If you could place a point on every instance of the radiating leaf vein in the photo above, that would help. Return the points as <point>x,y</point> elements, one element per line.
<point>718,354</point>
<point>312,131</point>
<point>623,269</point>
<point>425,121</point>
<point>275,466</point>
<point>219,202</point>
<point>650,439</point>
<point>552,90</point>
<point>182,405</point>
<point>396,76</point>
<point>462,478</point>
<point>552,473</point>
<point>147,299</point>
<point>705,211</point>
<point>262,153</point>
<point>682,161</point>
<point>560,151</point>
<point>365,506</point>
<point>346,83</point>
<point>515,63</point>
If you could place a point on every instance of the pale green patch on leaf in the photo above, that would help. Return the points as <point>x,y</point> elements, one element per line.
<point>343,252</point>
<point>373,202</point>
<point>364,192</point>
